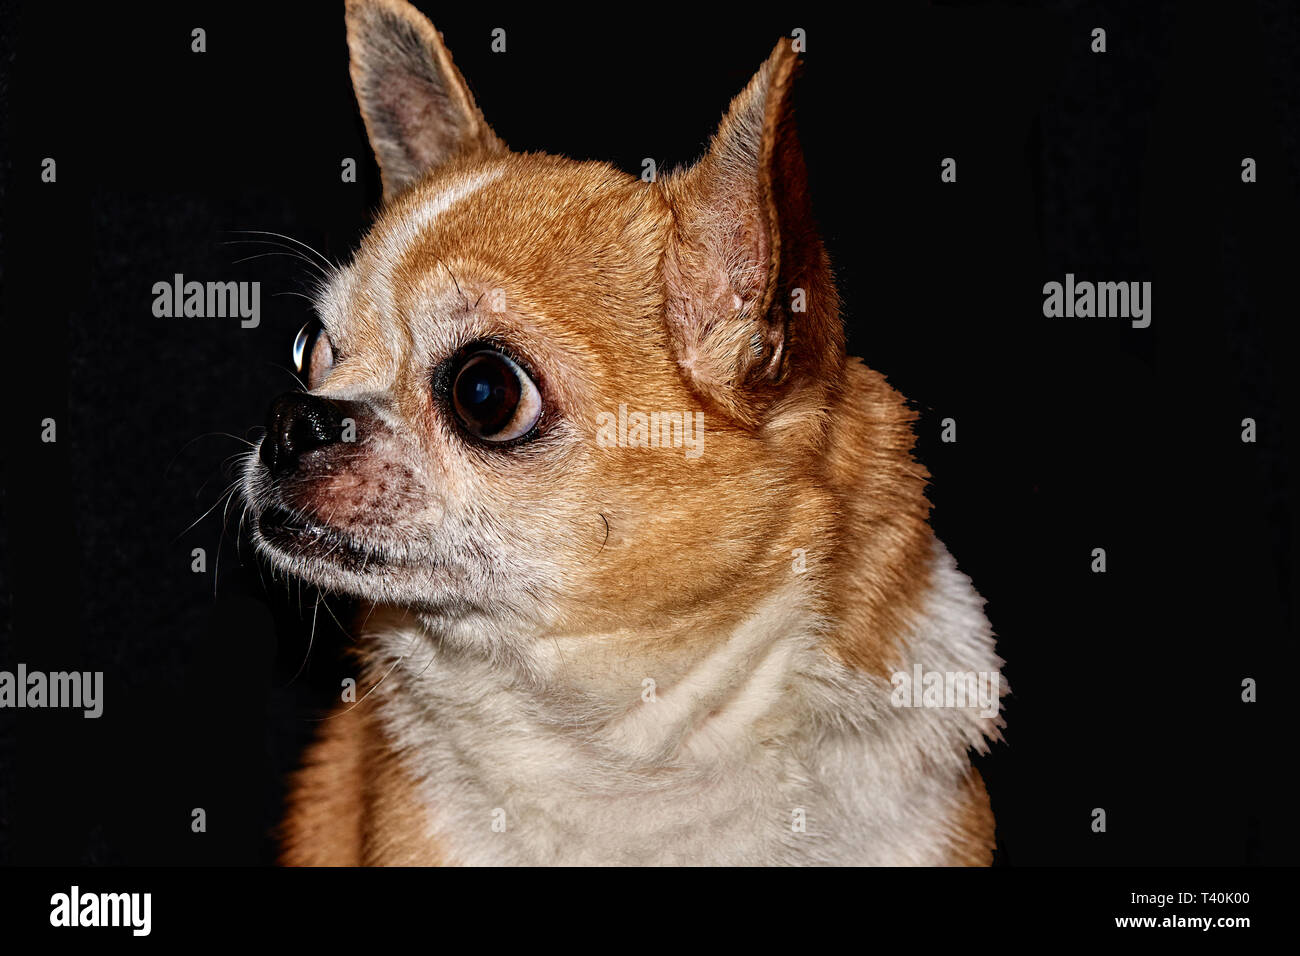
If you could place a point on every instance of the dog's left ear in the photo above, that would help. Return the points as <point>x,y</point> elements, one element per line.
<point>751,306</point>
<point>417,107</point>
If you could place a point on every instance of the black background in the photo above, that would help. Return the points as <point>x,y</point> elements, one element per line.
<point>1072,433</point>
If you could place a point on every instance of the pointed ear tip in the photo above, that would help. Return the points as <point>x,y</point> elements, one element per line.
<point>359,6</point>
<point>361,16</point>
<point>356,9</point>
<point>369,21</point>
<point>781,65</point>
<point>362,12</point>
<point>784,52</point>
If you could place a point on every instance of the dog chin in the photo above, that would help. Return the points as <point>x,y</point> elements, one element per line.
<point>321,554</point>
<point>342,563</point>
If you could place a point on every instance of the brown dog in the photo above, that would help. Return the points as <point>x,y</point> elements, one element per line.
<point>648,554</point>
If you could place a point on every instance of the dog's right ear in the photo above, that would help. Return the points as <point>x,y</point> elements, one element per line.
<point>417,107</point>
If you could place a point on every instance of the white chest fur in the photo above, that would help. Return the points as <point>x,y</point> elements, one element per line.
<point>763,751</point>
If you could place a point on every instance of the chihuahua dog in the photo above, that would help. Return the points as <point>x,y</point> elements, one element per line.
<point>646,556</point>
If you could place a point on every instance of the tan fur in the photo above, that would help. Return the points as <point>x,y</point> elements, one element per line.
<point>881,538</point>
<point>352,803</point>
<point>604,275</point>
<point>973,826</point>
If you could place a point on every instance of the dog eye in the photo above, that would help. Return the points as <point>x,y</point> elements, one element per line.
<point>313,354</point>
<point>494,398</point>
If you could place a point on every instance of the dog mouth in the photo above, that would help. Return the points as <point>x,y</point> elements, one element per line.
<point>298,536</point>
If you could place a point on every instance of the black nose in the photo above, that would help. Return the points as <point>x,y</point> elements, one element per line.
<point>295,424</point>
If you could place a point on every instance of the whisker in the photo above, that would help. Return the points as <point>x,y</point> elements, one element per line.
<point>182,449</point>
<point>301,295</point>
<point>229,490</point>
<point>291,255</point>
<point>291,373</point>
<point>296,242</point>
<point>331,613</point>
<point>366,694</point>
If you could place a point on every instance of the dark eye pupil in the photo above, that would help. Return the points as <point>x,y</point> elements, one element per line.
<point>486,393</point>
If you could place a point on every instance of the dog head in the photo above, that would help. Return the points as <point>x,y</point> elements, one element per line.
<point>549,396</point>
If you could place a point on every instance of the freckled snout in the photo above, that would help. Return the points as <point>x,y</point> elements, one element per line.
<point>296,424</point>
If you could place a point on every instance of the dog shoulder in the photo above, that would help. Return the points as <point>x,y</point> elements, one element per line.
<point>353,803</point>
<point>323,825</point>
<point>973,828</point>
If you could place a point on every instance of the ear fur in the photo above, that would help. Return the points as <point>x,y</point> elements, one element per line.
<point>744,243</point>
<point>417,107</point>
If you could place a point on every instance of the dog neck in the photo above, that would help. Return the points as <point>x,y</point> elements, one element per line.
<point>764,716</point>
